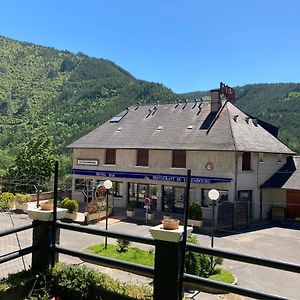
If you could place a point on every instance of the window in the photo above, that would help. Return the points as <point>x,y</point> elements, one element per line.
<point>110,157</point>
<point>246,163</point>
<point>179,159</point>
<point>206,202</point>
<point>279,158</point>
<point>142,157</point>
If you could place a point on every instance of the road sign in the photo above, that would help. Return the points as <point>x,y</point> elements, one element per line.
<point>147,206</point>
<point>100,192</point>
<point>147,201</point>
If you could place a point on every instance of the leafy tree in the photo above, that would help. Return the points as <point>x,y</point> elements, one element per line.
<point>34,164</point>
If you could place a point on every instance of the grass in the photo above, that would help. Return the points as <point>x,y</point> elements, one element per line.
<point>133,255</point>
<point>143,257</point>
<point>222,275</point>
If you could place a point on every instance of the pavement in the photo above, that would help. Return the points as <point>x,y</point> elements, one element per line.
<point>272,240</point>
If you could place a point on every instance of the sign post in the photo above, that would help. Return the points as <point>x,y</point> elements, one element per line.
<point>147,203</point>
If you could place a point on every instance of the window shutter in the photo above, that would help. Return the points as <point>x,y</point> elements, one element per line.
<point>179,158</point>
<point>142,157</point>
<point>246,163</point>
<point>110,157</point>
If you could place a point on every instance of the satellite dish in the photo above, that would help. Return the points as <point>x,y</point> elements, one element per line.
<point>213,195</point>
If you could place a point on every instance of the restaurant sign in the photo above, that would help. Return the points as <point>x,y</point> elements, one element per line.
<point>151,176</point>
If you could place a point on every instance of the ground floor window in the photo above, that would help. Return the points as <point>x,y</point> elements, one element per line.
<point>138,192</point>
<point>206,202</point>
<point>246,196</point>
<point>173,199</point>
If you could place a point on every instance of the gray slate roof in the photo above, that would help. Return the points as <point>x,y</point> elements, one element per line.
<point>136,130</point>
<point>293,183</point>
<point>287,177</point>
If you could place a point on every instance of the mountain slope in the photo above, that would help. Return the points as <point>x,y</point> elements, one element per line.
<point>278,104</point>
<point>61,94</point>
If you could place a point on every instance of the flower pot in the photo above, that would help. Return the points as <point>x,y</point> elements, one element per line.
<point>150,216</point>
<point>46,206</point>
<point>130,213</point>
<point>196,223</point>
<point>71,216</point>
<point>23,207</point>
<point>170,224</point>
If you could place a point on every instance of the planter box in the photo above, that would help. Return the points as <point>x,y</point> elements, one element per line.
<point>158,233</point>
<point>23,207</point>
<point>102,214</point>
<point>130,213</point>
<point>71,216</point>
<point>92,217</point>
<point>196,223</point>
<point>45,215</point>
<point>150,217</point>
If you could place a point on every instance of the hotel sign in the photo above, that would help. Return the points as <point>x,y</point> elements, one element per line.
<point>88,162</point>
<point>151,176</point>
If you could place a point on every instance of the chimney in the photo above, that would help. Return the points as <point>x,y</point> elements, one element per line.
<point>215,101</point>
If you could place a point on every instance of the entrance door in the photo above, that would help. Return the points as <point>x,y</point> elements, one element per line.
<point>173,199</point>
<point>292,203</point>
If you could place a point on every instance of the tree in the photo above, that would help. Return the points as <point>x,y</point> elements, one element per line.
<point>34,165</point>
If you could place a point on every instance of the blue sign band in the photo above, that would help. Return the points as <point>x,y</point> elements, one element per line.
<point>151,176</point>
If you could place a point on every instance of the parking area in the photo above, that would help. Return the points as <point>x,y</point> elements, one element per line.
<point>278,241</point>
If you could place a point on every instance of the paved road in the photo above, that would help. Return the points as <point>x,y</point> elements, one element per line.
<point>271,241</point>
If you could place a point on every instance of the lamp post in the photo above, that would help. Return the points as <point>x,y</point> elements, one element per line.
<point>214,196</point>
<point>107,184</point>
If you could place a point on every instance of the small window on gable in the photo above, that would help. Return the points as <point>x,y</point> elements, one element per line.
<point>261,157</point>
<point>142,157</point>
<point>246,161</point>
<point>179,159</point>
<point>110,157</point>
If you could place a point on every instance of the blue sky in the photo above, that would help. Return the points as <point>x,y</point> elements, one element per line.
<point>186,45</point>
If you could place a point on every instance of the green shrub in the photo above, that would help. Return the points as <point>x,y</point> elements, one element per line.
<point>123,245</point>
<point>22,199</point>
<point>195,211</point>
<point>6,200</point>
<point>73,282</point>
<point>131,205</point>
<point>199,264</point>
<point>70,205</point>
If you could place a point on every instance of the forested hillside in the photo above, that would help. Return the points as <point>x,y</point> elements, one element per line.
<point>278,104</point>
<point>61,94</point>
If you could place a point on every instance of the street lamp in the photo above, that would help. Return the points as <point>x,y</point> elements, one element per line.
<point>107,184</point>
<point>214,196</point>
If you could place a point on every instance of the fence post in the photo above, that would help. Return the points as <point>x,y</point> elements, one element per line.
<point>42,237</point>
<point>168,260</point>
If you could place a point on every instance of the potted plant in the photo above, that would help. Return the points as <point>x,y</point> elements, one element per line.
<point>150,215</point>
<point>170,224</point>
<point>72,207</point>
<point>22,201</point>
<point>195,214</point>
<point>130,209</point>
<point>7,200</point>
<point>48,205</point>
